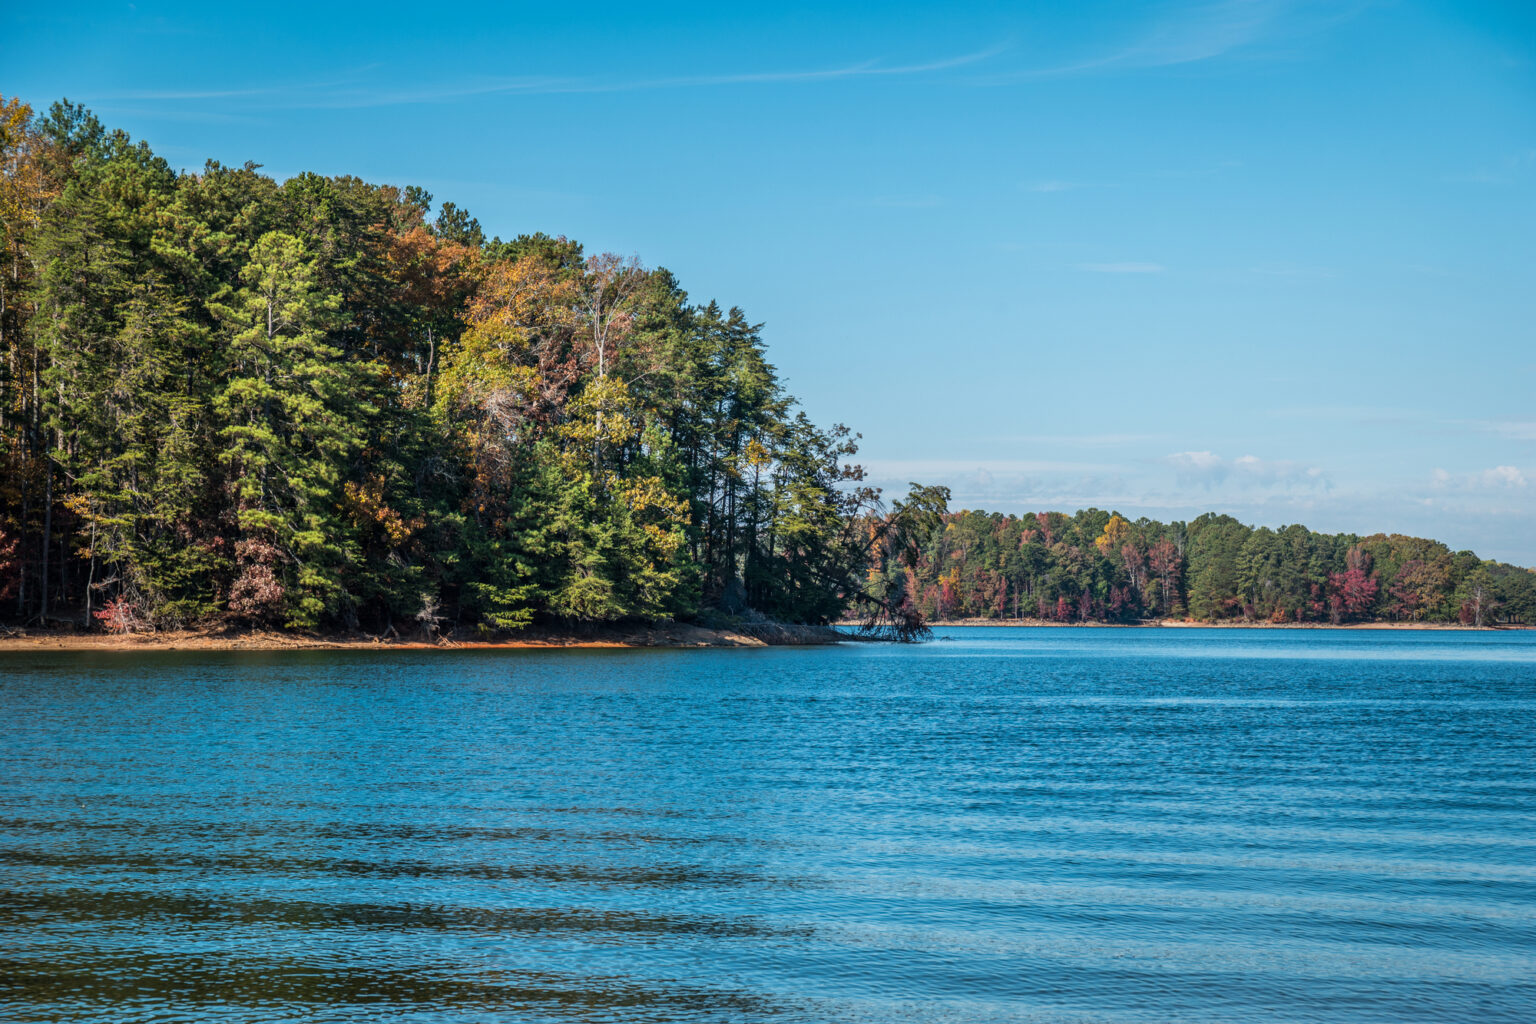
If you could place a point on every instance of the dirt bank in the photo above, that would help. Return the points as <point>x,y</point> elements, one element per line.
<point>620,635</point>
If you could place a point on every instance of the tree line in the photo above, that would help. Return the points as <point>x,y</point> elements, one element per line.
<point>1098,566</point>
<point>324,403</point>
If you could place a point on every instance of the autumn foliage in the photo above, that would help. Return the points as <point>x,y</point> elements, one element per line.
<point>1098,566</point>
<point>324,403</point>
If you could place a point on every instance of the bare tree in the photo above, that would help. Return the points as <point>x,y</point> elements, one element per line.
<point>607,309</point>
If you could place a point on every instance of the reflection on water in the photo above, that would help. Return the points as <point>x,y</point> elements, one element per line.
<point>1009,825</point>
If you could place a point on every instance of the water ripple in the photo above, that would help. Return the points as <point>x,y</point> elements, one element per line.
<point>1062,826</point>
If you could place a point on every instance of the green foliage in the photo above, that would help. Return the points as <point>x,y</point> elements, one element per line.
<point>1215,545</point>
<point>290,413</point>
<point>303,404</point>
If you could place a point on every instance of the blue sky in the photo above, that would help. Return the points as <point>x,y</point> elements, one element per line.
<point>1270,258</point>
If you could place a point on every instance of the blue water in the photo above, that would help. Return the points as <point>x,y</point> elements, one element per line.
<point>1064,825</point>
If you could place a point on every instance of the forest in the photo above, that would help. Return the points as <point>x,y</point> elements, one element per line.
<point>324,404</point>
<point>1098,566</point>
<point>319,404</point>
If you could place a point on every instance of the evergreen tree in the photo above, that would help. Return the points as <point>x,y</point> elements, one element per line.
<point>292,414</point>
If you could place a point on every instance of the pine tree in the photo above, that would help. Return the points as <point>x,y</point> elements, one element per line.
<point>292,415</point>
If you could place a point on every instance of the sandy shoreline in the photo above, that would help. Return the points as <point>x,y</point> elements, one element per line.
<point>668,635</point>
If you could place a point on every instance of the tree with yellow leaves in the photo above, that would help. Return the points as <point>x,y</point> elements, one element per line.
<point>1114,535</point>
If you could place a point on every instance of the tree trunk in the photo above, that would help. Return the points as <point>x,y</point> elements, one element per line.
<point>90,579</point>
<point>21,548</point>
<point>42,613</point>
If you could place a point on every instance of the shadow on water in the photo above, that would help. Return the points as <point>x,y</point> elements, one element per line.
<point>189,982</point>
<point>651,875</point>
<point>78,906</point>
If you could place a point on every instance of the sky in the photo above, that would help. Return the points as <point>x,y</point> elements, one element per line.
<point>1272,258</point>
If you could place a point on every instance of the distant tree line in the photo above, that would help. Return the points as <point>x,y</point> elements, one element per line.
<point>1098,566</point>
<point>314,403</point>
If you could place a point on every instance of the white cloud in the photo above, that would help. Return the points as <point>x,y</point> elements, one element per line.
<point>1200,465</point>
<point>1207,469</point>
<point>1507,476</point>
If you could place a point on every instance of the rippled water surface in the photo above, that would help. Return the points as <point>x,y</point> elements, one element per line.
<point>1003,825</point>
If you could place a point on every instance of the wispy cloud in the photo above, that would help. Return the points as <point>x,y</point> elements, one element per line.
<point>866,69</point>
<point>1003,483</point>
<point>1121,268</point>
<point>982,488</point>
<point>1188,33</point>
<point>187,94</point>
<point>1517,430</point>
<point>1509,429</point>
<point>1053,186</point>
<point>361,88</point>
<point>1376,415</point>
<point>1203,31</point>
<point>917,468</point>
<point>1499,478</point>
<point>1405,420</point>
<point>182,114</point>
<point>1077,440</point>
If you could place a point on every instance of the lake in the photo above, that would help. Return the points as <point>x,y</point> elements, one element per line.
<point>1044,825</point>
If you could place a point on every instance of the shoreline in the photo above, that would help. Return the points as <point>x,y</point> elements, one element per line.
<point>670,635</point>
<point>610,637</point>
<point>1194,624</point>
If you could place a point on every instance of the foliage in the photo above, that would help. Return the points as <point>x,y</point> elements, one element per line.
<point>312,404</point>
<point>1101,567</point>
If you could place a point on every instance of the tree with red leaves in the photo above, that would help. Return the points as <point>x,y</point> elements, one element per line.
<point>1352,593</point>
